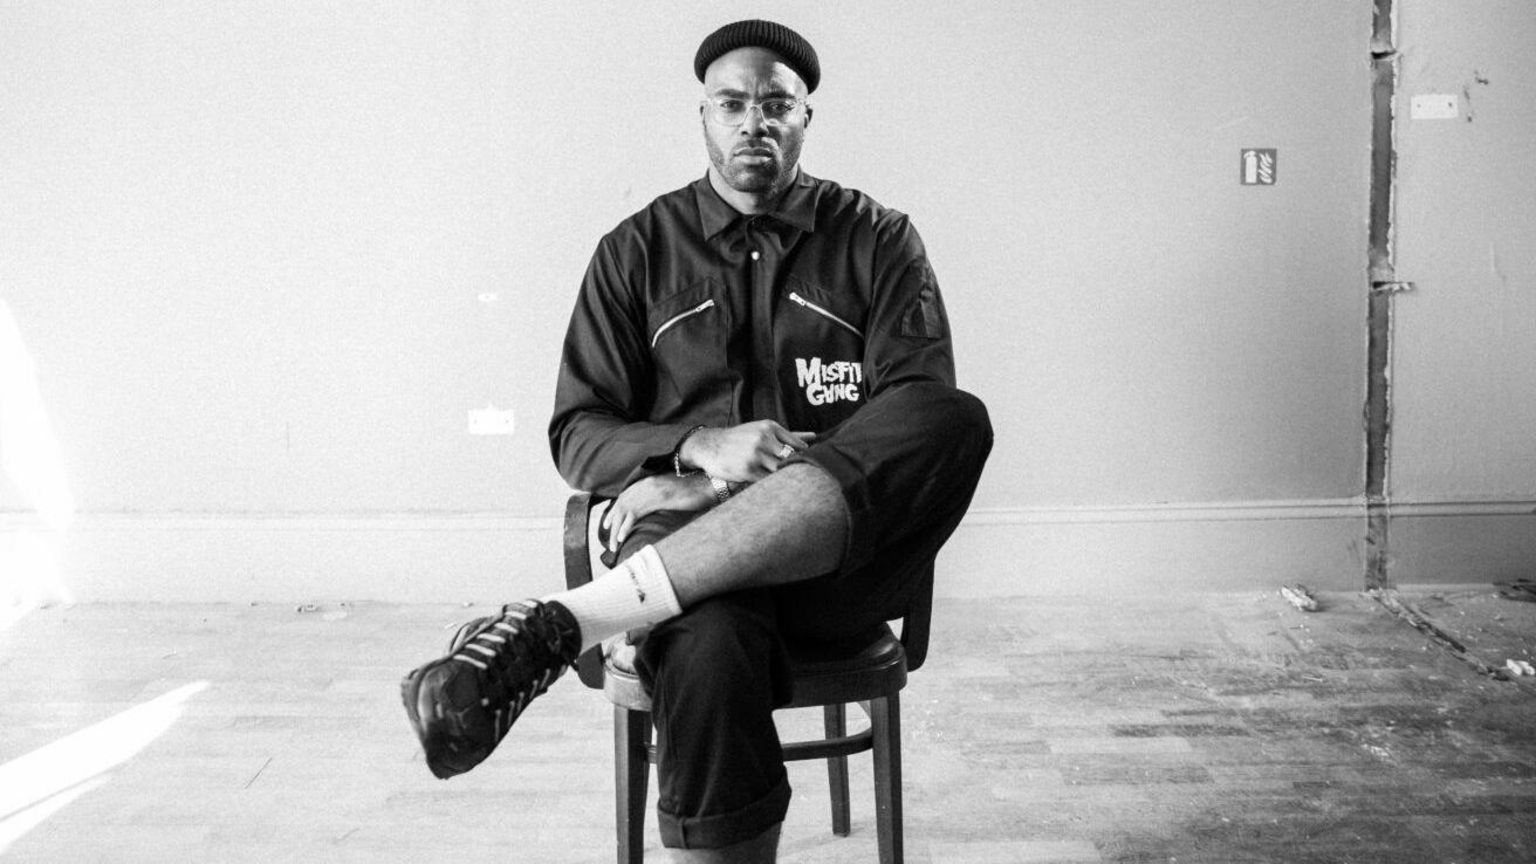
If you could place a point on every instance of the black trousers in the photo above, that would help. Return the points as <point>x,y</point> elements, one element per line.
<point>907,463</point>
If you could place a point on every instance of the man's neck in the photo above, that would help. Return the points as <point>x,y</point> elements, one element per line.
<point>749,203</point>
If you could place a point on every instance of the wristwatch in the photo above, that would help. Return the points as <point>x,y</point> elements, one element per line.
<point>722,489</point>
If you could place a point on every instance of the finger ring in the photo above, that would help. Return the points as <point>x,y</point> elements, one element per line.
<point>786,451</point>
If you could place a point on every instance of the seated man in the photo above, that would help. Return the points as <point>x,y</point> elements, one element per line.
<point>759,371</point>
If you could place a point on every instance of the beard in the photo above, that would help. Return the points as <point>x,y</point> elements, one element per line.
<point>769,177</point>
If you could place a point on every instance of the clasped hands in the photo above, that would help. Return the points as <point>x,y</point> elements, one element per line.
<point>737,454</point>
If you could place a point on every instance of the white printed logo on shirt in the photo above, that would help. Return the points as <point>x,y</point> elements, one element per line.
<point>825,383</point>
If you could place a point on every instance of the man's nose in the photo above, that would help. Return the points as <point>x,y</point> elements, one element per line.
<point>755,122</point>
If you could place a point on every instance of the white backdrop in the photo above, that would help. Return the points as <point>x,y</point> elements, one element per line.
<point>266,256</point>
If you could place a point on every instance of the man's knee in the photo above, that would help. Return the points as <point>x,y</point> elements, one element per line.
<point>970,422</point>
<point>944,408</point>
<point>947,419</point>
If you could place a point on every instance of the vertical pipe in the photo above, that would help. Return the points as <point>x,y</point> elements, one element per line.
<point>1383,283</point>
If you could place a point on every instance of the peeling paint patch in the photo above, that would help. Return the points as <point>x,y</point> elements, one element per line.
<point>1378,406</point>
<point>1466,91</point>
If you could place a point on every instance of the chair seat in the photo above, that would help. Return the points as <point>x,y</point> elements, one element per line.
<point>825,678</point>
<point>823,675</point>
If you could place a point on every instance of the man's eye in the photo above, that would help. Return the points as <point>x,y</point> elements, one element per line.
<point>778,107</point>
<point>729,106</point>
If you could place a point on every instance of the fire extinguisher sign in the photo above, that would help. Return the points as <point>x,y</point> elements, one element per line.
<point>1258,166</point>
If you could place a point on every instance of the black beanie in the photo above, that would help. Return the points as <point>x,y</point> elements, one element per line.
<point>797,52</point>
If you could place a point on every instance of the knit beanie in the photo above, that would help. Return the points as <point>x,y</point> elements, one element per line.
<point>781,40</point>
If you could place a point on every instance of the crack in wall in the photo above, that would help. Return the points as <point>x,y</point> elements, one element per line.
<point>1383,285</point>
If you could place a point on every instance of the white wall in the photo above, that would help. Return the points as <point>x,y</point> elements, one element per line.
<point>247,249</point>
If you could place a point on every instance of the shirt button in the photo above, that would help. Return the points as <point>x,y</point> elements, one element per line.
<point>756,255</point>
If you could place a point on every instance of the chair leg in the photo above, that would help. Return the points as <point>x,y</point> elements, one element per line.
<point>836,725</point>
<point>885,723</point>
<point>632,773</point>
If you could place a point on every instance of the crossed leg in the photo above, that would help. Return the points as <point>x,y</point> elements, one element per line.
<point>809,562</point>
<point>890,484</point>
<point>788,527</point>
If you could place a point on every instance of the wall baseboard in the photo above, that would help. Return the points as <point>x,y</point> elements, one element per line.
<point>1461,541</point>
<point>1176,547</point>
<point>493,557</point>
<point>408,558</point>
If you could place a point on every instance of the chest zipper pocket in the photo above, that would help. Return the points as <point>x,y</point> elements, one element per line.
<point>825,314</point>
<point>678,318</point>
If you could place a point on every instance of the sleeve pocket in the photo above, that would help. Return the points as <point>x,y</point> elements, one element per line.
<point>924,317</point>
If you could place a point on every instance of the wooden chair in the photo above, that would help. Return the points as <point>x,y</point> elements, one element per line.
<point>872,677</point>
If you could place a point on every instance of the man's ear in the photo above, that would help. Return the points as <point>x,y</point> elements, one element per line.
<point>808,112</point>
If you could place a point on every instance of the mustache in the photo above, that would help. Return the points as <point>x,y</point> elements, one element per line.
<point>756,148</point>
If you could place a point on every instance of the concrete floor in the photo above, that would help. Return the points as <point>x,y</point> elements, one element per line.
<point>1159,728</point>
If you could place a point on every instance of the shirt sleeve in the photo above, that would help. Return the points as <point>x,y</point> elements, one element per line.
<point>908,338</point>
<point>599,434</point>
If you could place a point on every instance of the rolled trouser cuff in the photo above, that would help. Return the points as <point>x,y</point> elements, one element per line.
<point>725,829</point>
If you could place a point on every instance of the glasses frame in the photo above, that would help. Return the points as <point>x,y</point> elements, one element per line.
<point>708,104</point>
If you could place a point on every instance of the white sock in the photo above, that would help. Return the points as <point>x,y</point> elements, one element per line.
<point>637,593</point>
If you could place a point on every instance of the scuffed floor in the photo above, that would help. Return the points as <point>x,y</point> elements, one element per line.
<point>1156,728</point>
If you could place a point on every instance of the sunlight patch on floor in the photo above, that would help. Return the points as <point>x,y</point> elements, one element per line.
<point>39,784</point>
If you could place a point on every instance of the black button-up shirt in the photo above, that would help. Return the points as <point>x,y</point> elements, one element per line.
<point>692,313</point>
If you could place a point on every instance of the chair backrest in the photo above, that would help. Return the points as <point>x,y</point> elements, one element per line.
<point>579,508</point>
<point>578,571</point>
<point>915,622</point>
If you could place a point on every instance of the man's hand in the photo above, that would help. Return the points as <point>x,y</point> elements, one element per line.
<point>646,496</point>
<point>745,453</point>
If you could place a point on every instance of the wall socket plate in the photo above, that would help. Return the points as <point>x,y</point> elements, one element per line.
<point>491,421</point>
<point>1434,106</point>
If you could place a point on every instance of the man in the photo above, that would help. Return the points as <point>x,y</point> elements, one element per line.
<point>759,370</point>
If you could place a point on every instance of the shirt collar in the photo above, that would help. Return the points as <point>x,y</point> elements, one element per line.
<point>796,209</point>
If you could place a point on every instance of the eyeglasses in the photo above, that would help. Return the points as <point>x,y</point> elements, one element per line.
<point>729,111</point>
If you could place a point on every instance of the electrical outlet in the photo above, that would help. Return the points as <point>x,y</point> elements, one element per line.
<point>491,420</point>
<point>1434,106</point>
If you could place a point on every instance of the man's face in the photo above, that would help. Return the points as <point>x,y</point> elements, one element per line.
<point>755,157</point>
